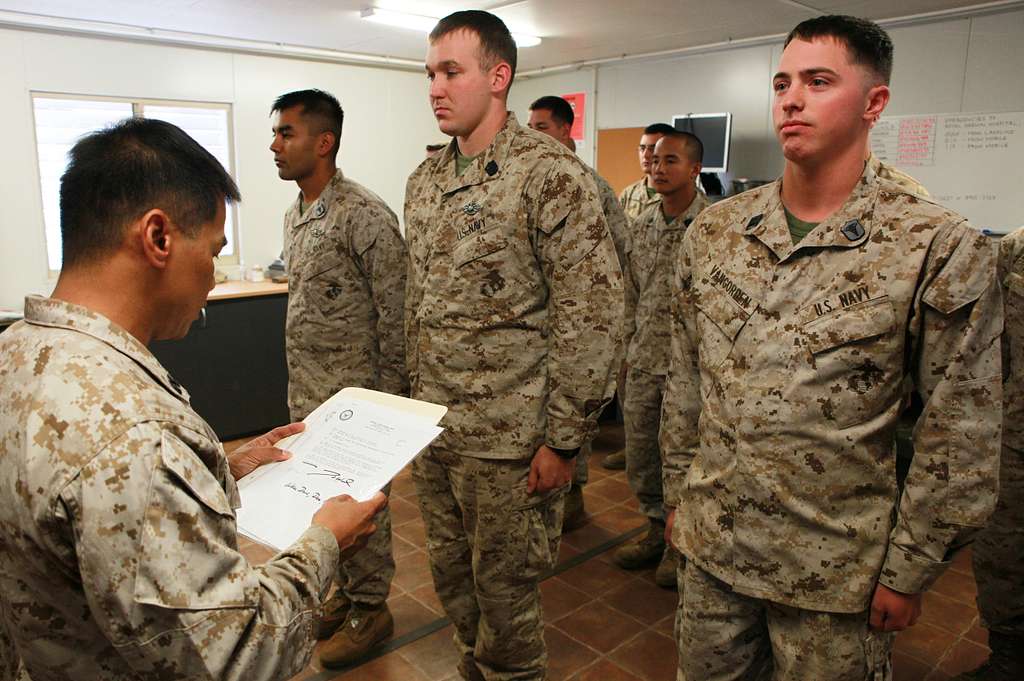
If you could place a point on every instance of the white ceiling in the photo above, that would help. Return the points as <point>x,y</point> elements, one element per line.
<point>573,30</point>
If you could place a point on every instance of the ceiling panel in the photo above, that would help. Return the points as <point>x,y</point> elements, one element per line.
<point>573,30</point>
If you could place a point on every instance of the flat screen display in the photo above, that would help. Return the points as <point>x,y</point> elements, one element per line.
<point>713,130</point>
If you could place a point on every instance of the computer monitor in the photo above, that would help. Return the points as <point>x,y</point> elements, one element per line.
<point>713,131</point>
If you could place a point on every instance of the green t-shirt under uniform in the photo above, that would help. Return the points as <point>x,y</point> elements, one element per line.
<point>798,228</point>
<point>462,162</point>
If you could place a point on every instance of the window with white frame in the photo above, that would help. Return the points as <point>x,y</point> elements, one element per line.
<point>61,120</point>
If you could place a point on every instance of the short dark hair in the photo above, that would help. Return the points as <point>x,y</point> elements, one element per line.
<point>659,129</point>
<point>694,147</point>
<point>496,43</point>
<point>867,42</point>
<point>318,106</point>
<point>560,109</point>
<point>117,174</point>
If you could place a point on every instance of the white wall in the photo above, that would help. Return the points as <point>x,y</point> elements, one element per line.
<point>526,90</point>
<point>962,65</point>
<point>387,124</point>
<point>968,65</point>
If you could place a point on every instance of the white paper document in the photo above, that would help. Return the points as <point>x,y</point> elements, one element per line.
<point>354,444</point>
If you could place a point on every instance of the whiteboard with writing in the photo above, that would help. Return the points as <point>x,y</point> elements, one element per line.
<point>969,162</point>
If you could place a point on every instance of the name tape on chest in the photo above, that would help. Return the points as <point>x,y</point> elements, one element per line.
<point>720,280</point>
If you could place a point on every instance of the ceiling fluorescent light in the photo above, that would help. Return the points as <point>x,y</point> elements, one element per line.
<point>417,22</point>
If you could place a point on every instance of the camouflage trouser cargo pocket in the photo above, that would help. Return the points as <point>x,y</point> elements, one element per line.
<point>543,523</point>
<point>878,655</point>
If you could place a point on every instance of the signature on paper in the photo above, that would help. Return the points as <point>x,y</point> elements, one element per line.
<point>301,489</point>
<point>328,473</point>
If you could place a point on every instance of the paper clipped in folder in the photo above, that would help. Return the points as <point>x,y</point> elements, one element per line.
<point>355,443</point>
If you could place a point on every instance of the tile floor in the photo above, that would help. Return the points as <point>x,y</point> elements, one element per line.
<point>605,624</point>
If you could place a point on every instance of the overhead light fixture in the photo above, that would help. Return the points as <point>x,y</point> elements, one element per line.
<point>418,22</point>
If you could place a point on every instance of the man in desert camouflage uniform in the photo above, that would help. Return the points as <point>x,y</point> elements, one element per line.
<point>999,549</point>
<point>801,308</point>
<point>635,199</point>
<point>651,255</point>
<point>641,195</point>
<point>554,117</point>
<point>513,318</point>
<point>118,545</point>
<point>346,288</point>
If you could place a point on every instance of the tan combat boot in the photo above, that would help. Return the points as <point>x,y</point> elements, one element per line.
<point>665,575</point>
<point>362,630</point>
<point>333,613</point>
<point>645,551</point>
<point>616,461</point>
<point>575,515</point>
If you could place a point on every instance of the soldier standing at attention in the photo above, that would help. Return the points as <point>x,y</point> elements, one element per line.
<point>641,195</point>
<point>513,319</point>
<point>119,546</point>
<point>651,256</point>
<point>801,307</point>
<point>998,553</point>
<point>347,267</point>
<point>635,199</point>
<point>554,117</point>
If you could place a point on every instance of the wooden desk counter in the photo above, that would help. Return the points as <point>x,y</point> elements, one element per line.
<point>245,289</point>
<point>232,361</point>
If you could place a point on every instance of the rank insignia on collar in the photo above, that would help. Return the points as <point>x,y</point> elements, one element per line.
<point>472,208</point>
<point>754,221</point>
<point>491,168</point>
<point>319,210</point>
<point>852,230</point>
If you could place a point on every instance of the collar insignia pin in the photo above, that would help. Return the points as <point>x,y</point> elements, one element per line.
<point>852,230</point>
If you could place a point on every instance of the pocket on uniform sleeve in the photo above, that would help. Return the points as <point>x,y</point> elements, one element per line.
<point>964,277</point>
<point>970,460</point>
<point>189,558</point>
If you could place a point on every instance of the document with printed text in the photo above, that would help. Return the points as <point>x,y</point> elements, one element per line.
<point>354,443</point>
